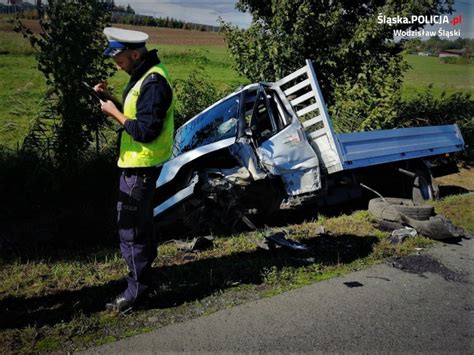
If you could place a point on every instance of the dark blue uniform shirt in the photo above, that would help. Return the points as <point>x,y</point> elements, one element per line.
<point>153,103</point>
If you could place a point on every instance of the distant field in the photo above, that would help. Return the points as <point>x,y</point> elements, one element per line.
<point>22,85</point>
<point>444,77</point>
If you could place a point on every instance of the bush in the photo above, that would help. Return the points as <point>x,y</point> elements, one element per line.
<point>194,94</point>
<point>69,119</point>
<point>426,109</point>
<point>456,60</point>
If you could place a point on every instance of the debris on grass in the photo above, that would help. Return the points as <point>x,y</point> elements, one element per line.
<point>399,235</point>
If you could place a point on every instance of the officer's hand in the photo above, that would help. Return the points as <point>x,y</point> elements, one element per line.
<point>109,108</point>
<point>101,87</point>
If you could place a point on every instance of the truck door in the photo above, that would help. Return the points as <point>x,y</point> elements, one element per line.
<point>281,144</point>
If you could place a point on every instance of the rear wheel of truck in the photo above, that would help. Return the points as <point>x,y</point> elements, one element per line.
<point>423,187</point>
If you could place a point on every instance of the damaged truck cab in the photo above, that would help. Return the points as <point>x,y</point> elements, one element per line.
<point>272,145</point>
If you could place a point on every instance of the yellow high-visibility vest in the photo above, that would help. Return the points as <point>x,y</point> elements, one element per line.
<point>134,154</point>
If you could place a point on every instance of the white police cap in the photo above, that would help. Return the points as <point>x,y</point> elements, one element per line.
<point>120,39</point>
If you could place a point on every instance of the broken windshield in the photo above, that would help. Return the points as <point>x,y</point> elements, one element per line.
<point>220,122</point>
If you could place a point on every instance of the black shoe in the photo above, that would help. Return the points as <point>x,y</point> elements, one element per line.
<point>119,304</point>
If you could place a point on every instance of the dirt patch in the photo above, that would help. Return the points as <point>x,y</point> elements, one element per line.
<point>157,35</point>
<point>33,25</point>
<point>420,264</point>
<point>160,35</point>
<point>464,178</point>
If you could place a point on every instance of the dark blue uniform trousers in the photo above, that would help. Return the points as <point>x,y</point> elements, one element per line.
<point>138,243</point>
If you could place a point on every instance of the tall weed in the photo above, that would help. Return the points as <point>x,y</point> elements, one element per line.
<point>427,109</point>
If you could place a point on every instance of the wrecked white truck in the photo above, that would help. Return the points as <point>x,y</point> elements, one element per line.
<point>270,146</point>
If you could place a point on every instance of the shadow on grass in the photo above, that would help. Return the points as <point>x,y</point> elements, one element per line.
<point>447,190</point>
<point>180,283</point>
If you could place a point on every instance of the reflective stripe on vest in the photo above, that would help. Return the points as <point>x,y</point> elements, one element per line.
<point>134,154</point>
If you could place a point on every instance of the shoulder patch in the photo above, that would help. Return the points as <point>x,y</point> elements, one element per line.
<point>154,77</point>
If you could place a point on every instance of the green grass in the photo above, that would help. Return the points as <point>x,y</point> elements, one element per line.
<point>459,209</point>
<point>427,71</point>
<point>50,303</point>
<point>21,87</point>
<point>21,90</point>
<point>14,44</point>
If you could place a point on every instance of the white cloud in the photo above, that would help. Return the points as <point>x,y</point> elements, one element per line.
<point>205,12</point>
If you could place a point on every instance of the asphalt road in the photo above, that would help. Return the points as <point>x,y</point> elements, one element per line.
<point>381,309</point>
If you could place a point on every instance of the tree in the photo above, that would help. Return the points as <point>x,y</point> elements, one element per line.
<point>69,51</point>
<point>358,64</point>
<point>413,45</point>
<point>129,9</point>
<point>109,5</point>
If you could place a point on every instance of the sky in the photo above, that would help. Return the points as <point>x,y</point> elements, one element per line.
<point>208,12</point>
<point>464,8</point>
<point>204,12</point>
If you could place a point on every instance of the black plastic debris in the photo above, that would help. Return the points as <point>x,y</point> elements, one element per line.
<point>352,284</point>
<point>280,239</point>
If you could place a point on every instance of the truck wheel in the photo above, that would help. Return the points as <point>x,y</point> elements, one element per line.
<point>424,188</point>
<point>391,208</point>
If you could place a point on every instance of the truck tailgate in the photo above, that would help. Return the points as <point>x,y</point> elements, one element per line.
<point>362,149</point>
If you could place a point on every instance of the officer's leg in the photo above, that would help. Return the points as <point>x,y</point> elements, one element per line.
<point>126,211</point>
<point>137,240</point>
<point>146,243</point>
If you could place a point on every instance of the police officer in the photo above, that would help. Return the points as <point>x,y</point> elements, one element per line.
<point>145,143</point>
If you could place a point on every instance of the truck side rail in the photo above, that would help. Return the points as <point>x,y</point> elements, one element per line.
<point>361,149</point>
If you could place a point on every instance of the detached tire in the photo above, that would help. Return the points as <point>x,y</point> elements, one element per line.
<point>391,208</point>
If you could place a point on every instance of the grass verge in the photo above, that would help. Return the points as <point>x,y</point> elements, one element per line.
<point>54,301</point>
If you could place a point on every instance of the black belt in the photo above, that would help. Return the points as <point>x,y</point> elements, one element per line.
<point>148,171</point>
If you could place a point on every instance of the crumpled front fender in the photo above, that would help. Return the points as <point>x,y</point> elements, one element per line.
<point>177,197</point>
<point>172,167</point>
